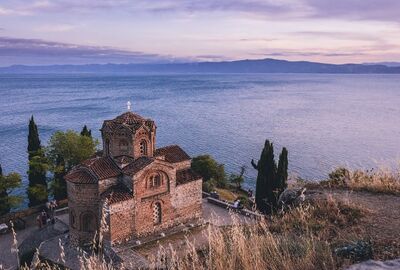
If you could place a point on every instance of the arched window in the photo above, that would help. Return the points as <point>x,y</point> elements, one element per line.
<point>123,146</point>
<point>157,213</point>
<point>155,181</point>
<point>143,148</point>
<point>88,222</point>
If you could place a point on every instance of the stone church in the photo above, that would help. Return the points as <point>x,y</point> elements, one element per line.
<point>144,189</point>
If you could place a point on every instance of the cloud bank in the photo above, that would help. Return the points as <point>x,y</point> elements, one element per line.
<point>42,52</point>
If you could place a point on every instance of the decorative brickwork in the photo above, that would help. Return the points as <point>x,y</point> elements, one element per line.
<point>145,190</point>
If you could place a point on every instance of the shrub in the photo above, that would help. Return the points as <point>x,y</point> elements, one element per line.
<point>209,169</point>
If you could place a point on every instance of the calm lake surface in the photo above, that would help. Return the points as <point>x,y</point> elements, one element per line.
<point>324,120</point>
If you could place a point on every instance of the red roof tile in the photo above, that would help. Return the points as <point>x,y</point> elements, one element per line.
<point>129,119</point>
<point>96,169</point>
<point>137,165</point>
<point>172,153</point>
<point>186,176</point>
<point>80,176</point>
<point>102,167</point>
<point>123,159</point>
<point>117,193</point>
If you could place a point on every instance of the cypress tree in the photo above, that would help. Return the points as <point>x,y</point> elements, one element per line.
<point>266,168</point>
<point>86,132</point>
<point>37,190</point>
<point>282,174</point>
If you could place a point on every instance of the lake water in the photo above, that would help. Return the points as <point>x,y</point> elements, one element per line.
<point>324,120</point>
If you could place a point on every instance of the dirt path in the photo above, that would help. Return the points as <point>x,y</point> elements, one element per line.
<point>381,221</point>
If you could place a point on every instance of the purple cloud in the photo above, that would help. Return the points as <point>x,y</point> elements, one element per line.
<point>47,52</point>
<point>381,10</point>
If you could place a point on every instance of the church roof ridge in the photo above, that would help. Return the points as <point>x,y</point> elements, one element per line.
<point>128,120</point>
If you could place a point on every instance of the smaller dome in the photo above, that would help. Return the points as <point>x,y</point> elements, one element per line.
<point>127,119</point>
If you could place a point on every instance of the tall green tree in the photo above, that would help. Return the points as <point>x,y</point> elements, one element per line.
<point>209,169</point>
<point>267,170</point>
<point>282,174</point>
<point>66,150</point>
<point>7,183</point>
<point>86,132</point>
<point>37,189</point>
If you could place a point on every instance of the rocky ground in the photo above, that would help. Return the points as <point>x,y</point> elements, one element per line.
<point>380,224</point>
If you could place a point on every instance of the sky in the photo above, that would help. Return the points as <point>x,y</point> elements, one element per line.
<point>44,32</point>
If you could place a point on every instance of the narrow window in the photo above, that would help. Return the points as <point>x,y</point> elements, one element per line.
<point>157,213</point>
<point>72,219</point>
<point>88,222</point>
<point>143,148</point>
<point>107,147</point>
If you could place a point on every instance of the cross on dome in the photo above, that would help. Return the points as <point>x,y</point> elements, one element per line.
<point>128,104</point>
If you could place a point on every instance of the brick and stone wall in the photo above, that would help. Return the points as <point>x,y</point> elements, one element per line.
<point>83,202</point>
<point>187,201</point>
<point>121,221</point>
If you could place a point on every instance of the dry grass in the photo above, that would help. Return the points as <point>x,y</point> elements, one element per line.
<point>299,239</point>
<point>382,180</point>
<point>226,194</point>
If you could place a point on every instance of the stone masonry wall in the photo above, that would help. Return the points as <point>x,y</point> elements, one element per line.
<point>145,198</point>
<point>82,199</point>
<point>187,201</point>
<point>122,221</point>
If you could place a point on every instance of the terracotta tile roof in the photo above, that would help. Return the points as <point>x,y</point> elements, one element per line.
<point>80,176</point>
<point>129,119</point>
<point>96,169</point>
<point>117,193</point>
<point>186,176</point>
<point>102,167</point>
<point>137,165</point>
<point>172,153</point>
<point>124,159</point>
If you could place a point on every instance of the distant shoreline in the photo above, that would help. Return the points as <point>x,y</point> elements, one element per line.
<point>262,66</point>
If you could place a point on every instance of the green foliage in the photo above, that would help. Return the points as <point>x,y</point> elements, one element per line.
<point>71,148</point>
<point>209,169</point>
<point>271,181</point>
<point>39,192</point>
<point>339,177</point>
<point>282,173</point>
<point>33,137</point>
<point>238,179</point>
<point>7,183</point>
<point>266,168</point>
<point>209,186</point>
<point>38,165</point>
<point>66,150</point>
<point>86,132</point>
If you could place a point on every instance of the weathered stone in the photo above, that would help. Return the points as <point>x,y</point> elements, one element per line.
<point>291,198</point>
<point>135,184</point>
<point>376,265</point>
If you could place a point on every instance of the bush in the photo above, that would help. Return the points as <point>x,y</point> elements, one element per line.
<point>339,177</point>
<point>208,186</point>
<point>379,181</point>
<point>209,169</point>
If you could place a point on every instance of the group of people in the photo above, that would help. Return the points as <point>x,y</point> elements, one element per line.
<point>47,214</point>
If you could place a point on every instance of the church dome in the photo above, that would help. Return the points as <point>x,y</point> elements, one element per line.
<point>128,119</point>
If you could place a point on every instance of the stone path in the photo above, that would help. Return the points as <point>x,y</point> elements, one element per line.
<point>8,259</point>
